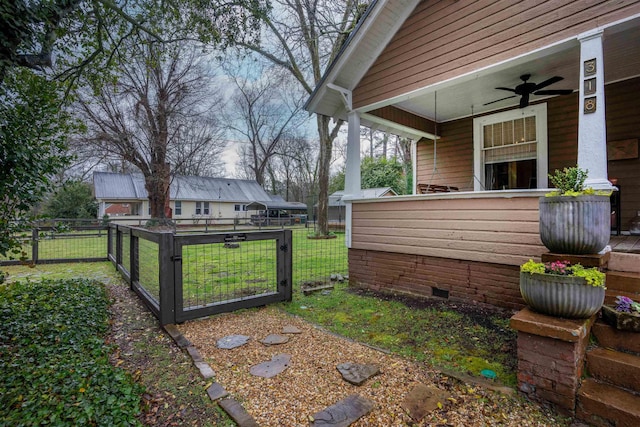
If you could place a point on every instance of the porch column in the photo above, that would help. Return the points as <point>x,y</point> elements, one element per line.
<point>592,131</point>
<point>352,185</point>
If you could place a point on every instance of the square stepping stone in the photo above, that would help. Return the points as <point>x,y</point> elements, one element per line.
<point>290,329</point>
<point>423,399</point>
<point>357,373</point>
<point>232,341</point>
<point>274,339</point>
<point>277,364</point>
<point>344,413</point>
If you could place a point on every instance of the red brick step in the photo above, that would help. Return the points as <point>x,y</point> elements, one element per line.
<point>603,405</point>
<point>614,367</point>
<point>611,337</point>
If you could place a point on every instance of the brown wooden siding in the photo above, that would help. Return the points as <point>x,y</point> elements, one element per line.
<point>443,39</point>
<point>465,281</point>
<point>455,147</point>
<point>405,118</point>
<point>496,230</point>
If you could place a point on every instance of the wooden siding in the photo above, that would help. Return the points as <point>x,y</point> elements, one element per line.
<point>496,230</point>
<point>464,281</point>
<point>405,118</point>
<point>444,39</point>
<point>455,147</point>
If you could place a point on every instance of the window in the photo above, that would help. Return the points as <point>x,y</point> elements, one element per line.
<point>178,207</point>
<point>510,149</point>
<point>205,210</point>
<point>198,208</point>
<point>236,208</point>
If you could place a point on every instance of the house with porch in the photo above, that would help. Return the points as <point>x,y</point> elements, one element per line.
<point>494,95</point>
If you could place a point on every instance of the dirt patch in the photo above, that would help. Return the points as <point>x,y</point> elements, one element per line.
<point>312,381</point>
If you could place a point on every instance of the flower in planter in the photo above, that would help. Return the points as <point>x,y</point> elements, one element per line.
<point>592,276</point>
<point>626,305</point>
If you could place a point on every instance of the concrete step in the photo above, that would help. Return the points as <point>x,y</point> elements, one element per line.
<point>610,337</point>
<point>615,368</point>
<point>603,405</point>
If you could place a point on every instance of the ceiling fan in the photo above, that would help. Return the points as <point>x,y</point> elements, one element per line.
<point>526,89</point>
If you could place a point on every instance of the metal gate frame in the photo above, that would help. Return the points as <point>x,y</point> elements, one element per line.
<point>284,276</point>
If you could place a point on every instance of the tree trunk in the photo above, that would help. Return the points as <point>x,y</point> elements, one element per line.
<point>324,164</point>
<point>157,185</point>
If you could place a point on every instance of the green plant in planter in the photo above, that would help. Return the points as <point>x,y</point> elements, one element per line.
<point>570,182</point>
<point>592,276</point>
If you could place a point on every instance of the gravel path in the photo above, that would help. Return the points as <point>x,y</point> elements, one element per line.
<point>312,382</point>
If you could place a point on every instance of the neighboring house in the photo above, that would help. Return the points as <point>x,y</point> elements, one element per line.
<point>117,209</point>
<point>494,96</point>
<point>337,209</point>
<point>192,198</point>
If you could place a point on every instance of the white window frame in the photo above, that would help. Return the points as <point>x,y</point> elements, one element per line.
<point>542,158</point>
<point>178,207</point>
<point>198,208</point>
<point>205,208</point>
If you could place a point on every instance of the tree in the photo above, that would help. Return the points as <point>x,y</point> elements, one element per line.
<point>33,129</point>
<point>264,111</point>
<point>382,172</point>
<point>86,34</point>
<point>73,200</point>
<point>304,50</point>
<point>154,115</point>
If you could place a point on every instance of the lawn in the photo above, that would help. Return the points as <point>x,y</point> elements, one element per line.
<point>459,338</point>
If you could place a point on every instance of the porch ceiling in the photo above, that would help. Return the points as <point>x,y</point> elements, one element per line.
<point>467,95</point>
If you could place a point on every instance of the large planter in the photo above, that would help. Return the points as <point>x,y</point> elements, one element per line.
<point>562,296</point>
<point>575,225</point>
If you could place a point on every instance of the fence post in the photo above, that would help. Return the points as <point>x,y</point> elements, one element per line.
<point>166,279</point>
<point>285,257</point>
<point>134,259</point>
<point>34,244</point>
<point>118,246</point>
<point>109,241</point>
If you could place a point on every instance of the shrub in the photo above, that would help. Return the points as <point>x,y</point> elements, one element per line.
<point>54,363</point>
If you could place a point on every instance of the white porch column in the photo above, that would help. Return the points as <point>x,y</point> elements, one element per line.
<point>352,185</point>
<point>592,131</point>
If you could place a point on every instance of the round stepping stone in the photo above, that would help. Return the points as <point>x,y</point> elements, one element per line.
<point>290,329</point>
<point>232,341</point>
<point>277,364</point>
<point>274,339</point>
<point>422,400</point>
<point>357,373</point>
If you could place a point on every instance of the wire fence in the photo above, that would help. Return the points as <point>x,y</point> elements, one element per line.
<point>315,260</point>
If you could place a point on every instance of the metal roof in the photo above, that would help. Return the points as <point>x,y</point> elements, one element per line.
<point>335,199</point>
<point>114,186</point>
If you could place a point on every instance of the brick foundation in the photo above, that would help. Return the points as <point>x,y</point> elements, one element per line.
<point>551,354</point>
<point>464,281</point>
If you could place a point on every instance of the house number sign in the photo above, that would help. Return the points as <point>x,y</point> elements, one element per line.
<point>589,86</point>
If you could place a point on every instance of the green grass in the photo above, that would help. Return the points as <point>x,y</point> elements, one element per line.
<point>436,334</point>
<point>54,363</point>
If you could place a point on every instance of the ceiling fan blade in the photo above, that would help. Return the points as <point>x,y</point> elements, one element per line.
<point>548,82</point>
<point>554,92</point>
<point>507,88</point>
<point>498,100</point>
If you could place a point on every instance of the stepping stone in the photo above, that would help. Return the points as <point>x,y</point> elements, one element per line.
<point>232,341</point>
<point>216,391</point>
<point>422,400</point>
<point>290,329</point>
<point>274,339</point>
<point>278,363</point>
<point>344,413</point>
<point>357,373</point>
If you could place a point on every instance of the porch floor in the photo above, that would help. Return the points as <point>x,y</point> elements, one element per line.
<point>628,244</point>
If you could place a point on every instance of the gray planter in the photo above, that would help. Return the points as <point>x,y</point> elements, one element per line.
<point>621,320</point>
<point>562,296</point>
<point>575,225</point>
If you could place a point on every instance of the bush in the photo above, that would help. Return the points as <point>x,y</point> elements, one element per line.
<point>54,363</point>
